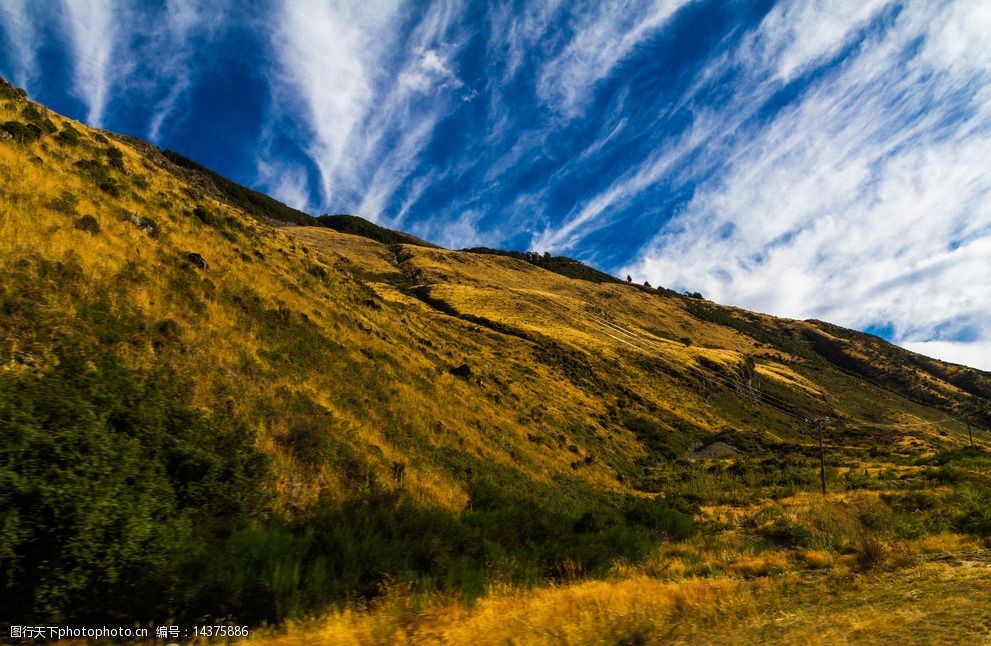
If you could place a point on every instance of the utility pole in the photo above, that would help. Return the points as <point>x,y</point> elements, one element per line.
<point>822,456</point>
<point>819,423</point>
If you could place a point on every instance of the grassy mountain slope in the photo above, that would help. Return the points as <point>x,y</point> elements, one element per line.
<point>288,415</point>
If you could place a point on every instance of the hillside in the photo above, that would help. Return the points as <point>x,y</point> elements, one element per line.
<point>209,410</point>
<point>360,227</point>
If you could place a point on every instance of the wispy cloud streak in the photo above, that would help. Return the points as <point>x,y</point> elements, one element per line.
<point>22,40</point>
<point>367,85</point>
<point>92,29</point>
<point>171,36</point>
<point>602,39</point>
<point>866,202</point>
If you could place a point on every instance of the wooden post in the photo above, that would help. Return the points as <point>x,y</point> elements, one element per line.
<point>970,432</point>
<point>822,457</point>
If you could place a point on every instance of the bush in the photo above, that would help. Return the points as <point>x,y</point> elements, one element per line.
<point>93,169</point>
<point>226,225</point>
<point>115,158</point>
<point>871,552</point>
<point>8,91</point>
<point>788,534</point>
<point>308,438</point>
<point>974,510</point>
<point>65,203</point>
<point>68,136</point>
<point>205,216</point>
<point>22,133</point>
<point>89,224</point>
<point>36,117</point>
<point>659,518</point>
<point>110,187</point>
<point>105,473</point>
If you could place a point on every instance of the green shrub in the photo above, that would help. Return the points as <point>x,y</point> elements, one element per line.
<point>226,225</point>
<point>104,470</point>
<point>206,216</point>
<point>93,168</point>
<point>8,91</point>
<point>911,501</point>
<point>65,203</point>
<point>788,534</point>
<point>110,186</point>
<point>22,133</point>
<point>89,224</point>
<point>658,518</point>
<point>68,136</point>
<point>308,437</point>
<point>974,509</point>
<point>37,118</point>
<point>115,158</point>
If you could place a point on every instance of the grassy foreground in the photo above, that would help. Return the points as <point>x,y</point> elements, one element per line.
<point>930,601</point>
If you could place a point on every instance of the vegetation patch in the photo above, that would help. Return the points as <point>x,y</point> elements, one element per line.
<point>558,264</point>
<point>20,132</point>
<point>354,225</point>
<point>253,202</point>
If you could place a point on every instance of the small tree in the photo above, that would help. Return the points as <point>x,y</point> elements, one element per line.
<point>629,278</point>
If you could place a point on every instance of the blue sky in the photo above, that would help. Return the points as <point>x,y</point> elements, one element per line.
<point>807,159</point>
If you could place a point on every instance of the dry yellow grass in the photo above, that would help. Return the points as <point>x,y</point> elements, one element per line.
<point>924,603</point>
<point>584,613</point>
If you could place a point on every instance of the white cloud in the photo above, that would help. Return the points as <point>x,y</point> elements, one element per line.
<point>171,40</point>
<point>867,202</point>
<point>92,28</point>
<point>116,49</point>
<point>286,183</point>
<point>795,36</point>
<point>514,33</point>
<point>586,217</point>
<point>429,71</point>
<point>976,354</point>
<point>370,90</point>
<point>461,232</point>
<point>713,132</point>
<point>22,39</point>
<point>604,36</point>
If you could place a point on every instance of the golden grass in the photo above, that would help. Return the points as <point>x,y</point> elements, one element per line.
<point>764,603</point>
<point>583,613</point>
